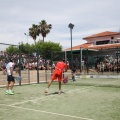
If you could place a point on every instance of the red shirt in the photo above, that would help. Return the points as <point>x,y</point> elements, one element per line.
<point>58,70</point>
<point>61,65</point>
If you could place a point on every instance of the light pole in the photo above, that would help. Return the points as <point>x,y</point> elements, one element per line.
<point>71,27</point>
<point>27,36</point>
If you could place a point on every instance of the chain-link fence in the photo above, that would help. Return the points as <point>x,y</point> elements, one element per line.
<point>37,67</point>
<point>34,68</point>
<point>105,61</point>
<point>4,59</point>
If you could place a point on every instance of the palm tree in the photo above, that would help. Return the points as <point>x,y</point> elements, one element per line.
<point>44,28</point>
<point>34,32</point>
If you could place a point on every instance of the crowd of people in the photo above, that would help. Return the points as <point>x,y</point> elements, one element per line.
<point>26,63</point>
<point>108,63</point>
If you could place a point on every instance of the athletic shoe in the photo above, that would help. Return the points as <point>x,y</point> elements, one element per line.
<point>11,93</point>
<point>59,92</point>
<point>46,91</point>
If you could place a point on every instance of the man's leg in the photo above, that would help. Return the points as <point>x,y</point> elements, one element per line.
<point>11,85</point>
<point>7,87</point>
<point>49,83</point>
<point>46,91</point>
<point>59,87</point>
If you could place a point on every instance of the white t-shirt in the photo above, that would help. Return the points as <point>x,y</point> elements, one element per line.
<point>9,65</point>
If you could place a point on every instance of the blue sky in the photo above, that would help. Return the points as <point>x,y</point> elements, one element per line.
<point>88,16</point>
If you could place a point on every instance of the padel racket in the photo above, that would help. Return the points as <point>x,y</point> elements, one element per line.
<point>18,78</point>
<point>65,80</point>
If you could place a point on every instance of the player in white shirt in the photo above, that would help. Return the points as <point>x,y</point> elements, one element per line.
<point>10,78</point>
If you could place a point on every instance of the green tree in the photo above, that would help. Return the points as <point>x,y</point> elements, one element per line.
<point>12,49</point>
<point>26,48</point>
<point>34,32</point>
<point>44,28</point>
<point>48,46</point>
<point>42,48</point>
<point>45,48</point>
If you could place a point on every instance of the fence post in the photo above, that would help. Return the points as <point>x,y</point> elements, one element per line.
<point>37,67</point>
<point>28,69</point>
<point>117,60</point>
<point>45,68</point>
<point>19,63</point>
<point>87,63</point>
<point>80,59</point>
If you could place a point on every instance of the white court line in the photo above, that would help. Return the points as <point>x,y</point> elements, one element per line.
<point>79,89</point>
<point>32,100</point>
<point>49,96</point>
<point>48,112</point>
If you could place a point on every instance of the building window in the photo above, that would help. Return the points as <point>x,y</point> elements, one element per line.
<point>102,42</point>
<point>112,37</point>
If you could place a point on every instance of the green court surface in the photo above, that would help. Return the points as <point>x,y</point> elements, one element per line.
<point>84,99</point>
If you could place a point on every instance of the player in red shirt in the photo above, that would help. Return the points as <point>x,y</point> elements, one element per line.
<point>57,74</point>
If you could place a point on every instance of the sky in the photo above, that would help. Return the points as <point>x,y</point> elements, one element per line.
<point>88,16</point>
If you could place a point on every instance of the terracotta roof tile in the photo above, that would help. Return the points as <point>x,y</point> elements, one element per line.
<point>106,33</point>
<point>95,47</point>
<point>79,46</point>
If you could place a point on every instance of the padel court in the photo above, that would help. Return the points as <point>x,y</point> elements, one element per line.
<point>84,99</point>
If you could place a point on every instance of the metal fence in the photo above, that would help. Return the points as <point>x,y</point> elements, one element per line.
<point>34,68</point>
<point>105,61</point>
<point>37,67</point>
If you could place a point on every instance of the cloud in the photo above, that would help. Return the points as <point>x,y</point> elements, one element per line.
<point>89,17</point>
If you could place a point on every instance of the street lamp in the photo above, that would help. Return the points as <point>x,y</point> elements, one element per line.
<point>27,36</point>
<point>71,27</point>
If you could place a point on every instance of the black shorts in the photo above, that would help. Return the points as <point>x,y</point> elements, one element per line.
<point>10,78</point>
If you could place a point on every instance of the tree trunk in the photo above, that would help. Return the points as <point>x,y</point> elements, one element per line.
<point>34,41</point>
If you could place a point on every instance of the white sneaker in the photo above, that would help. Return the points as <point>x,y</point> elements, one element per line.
<point>59,93</point>
<point>46,91</point>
